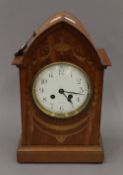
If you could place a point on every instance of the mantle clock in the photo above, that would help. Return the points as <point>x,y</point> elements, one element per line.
<point>61,82</point>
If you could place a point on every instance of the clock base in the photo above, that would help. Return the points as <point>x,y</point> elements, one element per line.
<point>60,154</point>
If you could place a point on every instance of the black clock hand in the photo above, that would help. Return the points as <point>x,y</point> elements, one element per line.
<point>65,95</point>
<point>73,93</point>
<point>69,98</point>
<point>62,90</point>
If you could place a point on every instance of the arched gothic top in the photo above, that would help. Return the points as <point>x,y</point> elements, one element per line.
<point>70,20</point>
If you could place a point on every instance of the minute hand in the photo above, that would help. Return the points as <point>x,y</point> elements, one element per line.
<point>73,93</point>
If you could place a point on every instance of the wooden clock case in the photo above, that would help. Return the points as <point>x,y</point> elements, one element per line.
<point>45,139</point>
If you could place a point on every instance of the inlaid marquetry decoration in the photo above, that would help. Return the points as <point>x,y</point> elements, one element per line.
<point>61,83</point>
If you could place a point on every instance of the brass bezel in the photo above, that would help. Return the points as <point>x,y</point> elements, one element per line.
<point>67,114</point>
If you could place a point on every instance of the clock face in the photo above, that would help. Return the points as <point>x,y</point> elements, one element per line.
<point>61,90</point>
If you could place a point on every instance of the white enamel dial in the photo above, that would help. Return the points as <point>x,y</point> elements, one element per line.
<point>61,90</point>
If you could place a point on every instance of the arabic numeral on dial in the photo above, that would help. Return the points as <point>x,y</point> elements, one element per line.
<point>61,108</point>
<point>78,81</point>
<point>41,90</point>
<point>43,81</point>
<point>50,75</point>
<point>78,99</point>
<point>81,90</point>
<point>61,71</point>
